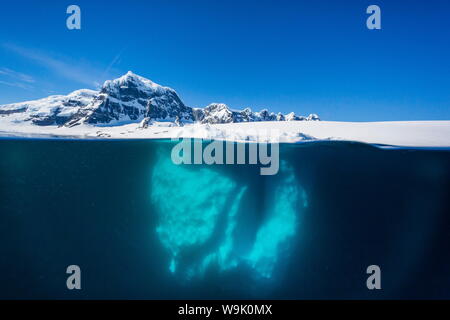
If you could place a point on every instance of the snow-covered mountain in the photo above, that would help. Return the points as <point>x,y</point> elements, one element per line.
<point>220,113</point>
<point>130,99</point>
<point>53,110</point>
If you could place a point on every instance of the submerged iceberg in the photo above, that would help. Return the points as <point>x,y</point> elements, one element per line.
<point>205,215</point>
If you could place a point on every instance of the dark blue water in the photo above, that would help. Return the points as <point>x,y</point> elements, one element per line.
<point>140,227</point>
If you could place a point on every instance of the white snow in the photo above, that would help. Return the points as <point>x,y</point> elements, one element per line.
<point>290,116</point>
<point>29,119</point>
<point>401,133</point>
<point>47,106</point>
<point>142,83</point>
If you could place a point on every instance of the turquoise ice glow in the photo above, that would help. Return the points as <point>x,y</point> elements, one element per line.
<point>279,227</point>
<point>200,209</point>
<point>189,200</point>
<point>224,256</point>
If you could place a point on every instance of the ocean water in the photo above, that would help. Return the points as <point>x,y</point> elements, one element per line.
<point>141,227</point>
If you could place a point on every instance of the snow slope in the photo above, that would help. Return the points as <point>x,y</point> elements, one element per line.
<point>404,133</point>
<point>51,110</point>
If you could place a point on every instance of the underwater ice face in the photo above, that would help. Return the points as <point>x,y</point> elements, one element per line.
<point>189,200</point>
<point>201,211</point>
<point>279,227</point>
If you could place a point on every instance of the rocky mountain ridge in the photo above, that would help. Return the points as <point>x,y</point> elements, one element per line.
<point>131,99</point>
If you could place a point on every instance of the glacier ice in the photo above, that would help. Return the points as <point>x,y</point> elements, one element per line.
<point>200,208</point>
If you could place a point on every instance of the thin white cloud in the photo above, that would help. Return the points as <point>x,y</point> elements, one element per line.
<point>113,62</point>
<point>16,75</point>
<point>16,85</point>
<point>70,70</point>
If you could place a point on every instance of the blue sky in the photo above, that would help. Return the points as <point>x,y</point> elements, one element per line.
<point>303,56</point>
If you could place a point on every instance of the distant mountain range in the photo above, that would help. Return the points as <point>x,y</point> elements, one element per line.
<point>131,99</point>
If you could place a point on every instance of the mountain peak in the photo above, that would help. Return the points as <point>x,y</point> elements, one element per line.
<point>135,83</point>
<point>131,76</point>
<point>128,99</point>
